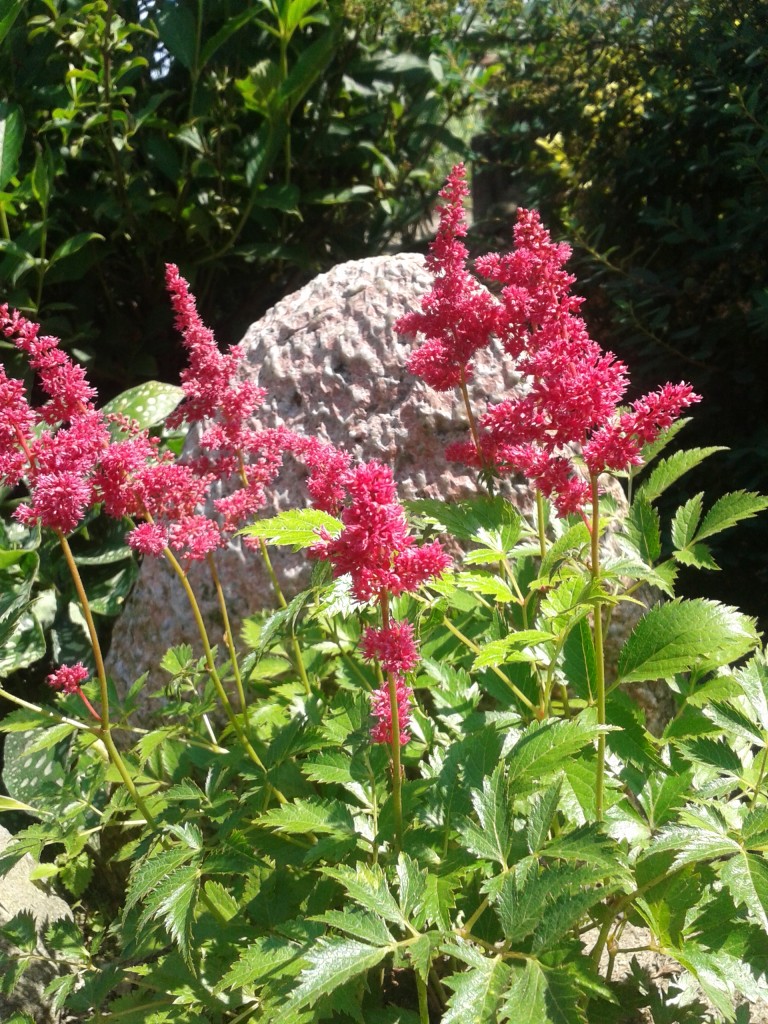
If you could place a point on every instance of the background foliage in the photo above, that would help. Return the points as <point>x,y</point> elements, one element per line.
<point>252,144</point>
<point>641,129</point>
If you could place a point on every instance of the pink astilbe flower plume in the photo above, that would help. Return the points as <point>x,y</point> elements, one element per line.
<point>381,709</point>
<point>459,315</point>
<point>375,547</point>
<point>53,449</point>
<point>378,552</point>
<point>569,404</point>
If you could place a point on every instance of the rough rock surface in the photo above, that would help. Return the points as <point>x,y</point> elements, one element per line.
<point>19,893</point>
<point>332,365</point>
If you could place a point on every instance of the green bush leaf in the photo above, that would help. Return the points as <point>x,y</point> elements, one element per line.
<point>686,521</point>
<point>491,805</point>
<point>543,748</point>
<point>333,962</point>
<point>731,509</point>
<point>539,995</point>
<point>149,404</point>
<point>298,527</point>
<point>174,901</point>
<point>477,993</point>
<point>670,470</point>
<point>684,635</point>
<point>331,817</point>
<point>644,530</point>
<point>368,887</point>
<point>176,29</point>
<point>11,122</point>
<point>746,877</point>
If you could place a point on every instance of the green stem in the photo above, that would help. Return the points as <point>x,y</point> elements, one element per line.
<point>540,524</point>
<point>62,719</point>
<point>599,654</point>
<point>760,776</point>
<point>4,225</point>
<point>397,799</point>
<point>421,991</point>
<point>229,639</point>
<point>91,626</point>
<point>298,661</point>
<point>476,650</point>
<point>211,666</point>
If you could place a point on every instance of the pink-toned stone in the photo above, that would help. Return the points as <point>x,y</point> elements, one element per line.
<point>332,365</point>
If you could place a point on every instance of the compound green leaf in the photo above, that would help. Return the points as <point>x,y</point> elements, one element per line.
<point>298,527</point>
<point>670,470</point>
<point>333,962</point>
<point>477,993</point>
<point>746,877</point>
<point>683,635</point>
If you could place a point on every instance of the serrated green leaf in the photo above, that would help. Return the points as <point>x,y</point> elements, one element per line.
<point>225,904</point>
<point>439,901</point>
<point>644,529</point>
<point>173,901</point>
<point>539,995</point>
<point>368,887</point>
<point>300,528</point>
<point>544,746</point>
<point>524,1001</point>
<point>732,719</point>
<point>147,874</point>
<point>261,960</point>
<point>670,470</point>
<point>694,844</point>
<point>465,519</point>
<point>732,508</point>
<point>491,805</point>
<point>746,877</point>
<point>331,817</point>
<point>587,844</point>
<point>485,583</point>
<point>714,753</point>
<point>575,540</point>
<point>686,521</point>
<point>753,680</point>
<point>477,993</point>
<point>359,923</point>
<point>754,830</point>
<point>564,914</point>
<point>513,647</point>
<point>710,972</point>
<point>580,661</point>
<point>698,556</point>
<point>412,883</point>
<point>333,962</point>
<point>683,635</point>
<point>540,817</point>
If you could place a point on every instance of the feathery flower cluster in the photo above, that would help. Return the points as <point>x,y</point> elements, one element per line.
<point>67,678</point>
<point>219,397</point>
<point>458,315</point>
<point>571,400</point>
<point>54,449</point>
<point>376,549</point>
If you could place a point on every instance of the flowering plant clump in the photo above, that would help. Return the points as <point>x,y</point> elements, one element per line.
<point>417,792</point>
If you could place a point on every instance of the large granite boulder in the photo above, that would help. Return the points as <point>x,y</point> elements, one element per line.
<point>19,894</point>
<point>332,366</point>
